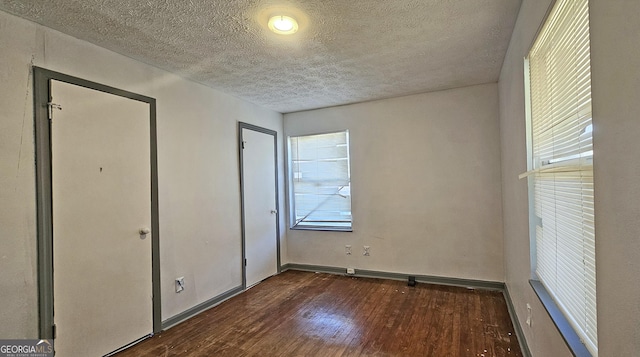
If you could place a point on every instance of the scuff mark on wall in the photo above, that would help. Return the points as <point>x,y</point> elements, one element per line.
<point>24,114</point>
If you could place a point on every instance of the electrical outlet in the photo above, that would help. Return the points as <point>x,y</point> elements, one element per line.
<point>179,284</point>
<point>366,251</point>
<point>528,315</point>
<point>347,249</point>
<point>351,271</point>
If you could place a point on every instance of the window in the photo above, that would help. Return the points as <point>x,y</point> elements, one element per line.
<point>320,181</point>
<point>561,166</point>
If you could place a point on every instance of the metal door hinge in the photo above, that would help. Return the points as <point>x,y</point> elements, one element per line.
<point>51,106</point>
<point>245,262</point>
<point>53,332</point>
<point>243,144</point>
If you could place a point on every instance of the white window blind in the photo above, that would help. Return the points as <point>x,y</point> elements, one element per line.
<point>560,90</point>
<point>321,181</point>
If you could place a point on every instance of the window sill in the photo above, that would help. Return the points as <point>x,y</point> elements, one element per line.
<point>562,324</point>
<point>321,229</point>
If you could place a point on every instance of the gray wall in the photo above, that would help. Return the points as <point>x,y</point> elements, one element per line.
<point>615,91</point>
<point>425,173</point>
<point>197,161</point>
<point>615,67</point>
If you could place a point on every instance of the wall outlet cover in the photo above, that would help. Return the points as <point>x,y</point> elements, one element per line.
<point>351,271</point>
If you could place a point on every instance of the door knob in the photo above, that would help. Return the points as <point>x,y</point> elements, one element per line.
<point>144,231</point>
<point>274,211</point>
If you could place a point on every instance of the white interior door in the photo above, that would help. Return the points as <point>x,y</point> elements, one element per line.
<point>260,210</point>
<point>101,194</point>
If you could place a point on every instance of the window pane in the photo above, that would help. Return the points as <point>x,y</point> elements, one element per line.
<point>561,127</point>
<point>321,180</point>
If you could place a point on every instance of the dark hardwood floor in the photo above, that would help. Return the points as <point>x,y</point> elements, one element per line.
<point>311,314</point>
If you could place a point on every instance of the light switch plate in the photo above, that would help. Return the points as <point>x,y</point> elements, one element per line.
<point>179,284</point>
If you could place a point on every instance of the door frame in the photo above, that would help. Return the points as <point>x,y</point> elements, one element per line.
<point>41,100</point>
<point>247,126</point>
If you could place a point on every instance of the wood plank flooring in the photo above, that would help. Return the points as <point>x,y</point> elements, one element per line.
<point>312,314</point>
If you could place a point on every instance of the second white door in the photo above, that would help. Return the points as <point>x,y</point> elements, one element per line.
<point>260,205</point>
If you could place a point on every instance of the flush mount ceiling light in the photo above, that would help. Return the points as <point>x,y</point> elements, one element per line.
<point>283,25</point>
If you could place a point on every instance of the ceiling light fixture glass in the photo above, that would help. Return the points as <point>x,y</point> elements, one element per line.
<point>283,25</point>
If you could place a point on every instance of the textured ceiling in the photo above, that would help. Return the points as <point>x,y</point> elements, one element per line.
<point>345,51</point>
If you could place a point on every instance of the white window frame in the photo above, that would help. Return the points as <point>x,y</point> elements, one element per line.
<point>294,222</point>
<point>580,342</point>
